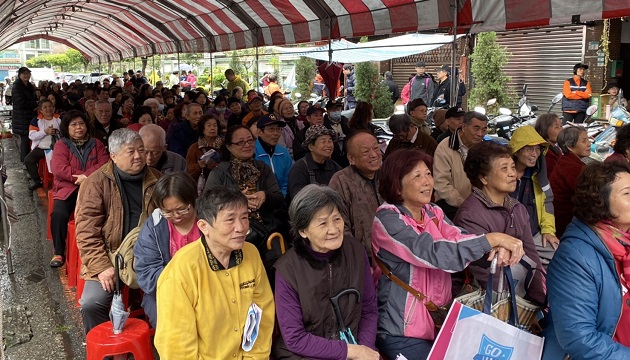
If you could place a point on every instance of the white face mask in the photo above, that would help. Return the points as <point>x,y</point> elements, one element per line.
<point>161,107</point>
<point>220,110</point>
<point>335,116</point>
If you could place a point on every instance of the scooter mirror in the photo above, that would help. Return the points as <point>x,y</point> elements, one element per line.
<point>591,110</point>
<point>505,111</point>
<point>313,95</point>
<point>557,98</point>
<point>491,102</point>
<point>297,95</point>
<point>480,109</point>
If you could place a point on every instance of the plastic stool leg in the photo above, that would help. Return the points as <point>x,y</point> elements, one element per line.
<point>50,210</point>
<point>72,252</point>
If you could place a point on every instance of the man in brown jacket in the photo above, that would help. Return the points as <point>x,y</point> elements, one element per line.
<point>407,134</point>
<point>357,185</point>
<point>111,202</point>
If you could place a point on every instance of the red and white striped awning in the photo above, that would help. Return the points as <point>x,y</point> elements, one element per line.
<point>111,30</point>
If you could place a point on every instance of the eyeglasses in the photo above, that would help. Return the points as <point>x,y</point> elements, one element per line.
<point>170,214</point>
<point>276,129</point>
<point>249,142</point>
<point>532,149</point>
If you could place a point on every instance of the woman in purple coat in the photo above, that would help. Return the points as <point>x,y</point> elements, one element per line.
<point>75,157</point>
<point>492,173</point>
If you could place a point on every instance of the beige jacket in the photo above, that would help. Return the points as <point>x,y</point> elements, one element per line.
<point>450,181</point>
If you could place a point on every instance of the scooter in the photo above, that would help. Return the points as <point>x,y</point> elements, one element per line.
<point>602,146</point>
<point>500,125</point>
<point>526,112</point>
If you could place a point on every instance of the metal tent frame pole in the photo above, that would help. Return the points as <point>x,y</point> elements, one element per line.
<point>4,209</point>
<point>454,78</point>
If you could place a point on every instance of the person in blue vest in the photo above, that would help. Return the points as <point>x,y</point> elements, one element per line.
<point>270,152</point>
<point>577,95</point>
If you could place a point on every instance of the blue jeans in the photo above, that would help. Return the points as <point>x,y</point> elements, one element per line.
<point>411,348</point>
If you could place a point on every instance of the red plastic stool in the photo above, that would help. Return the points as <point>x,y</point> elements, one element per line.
<point>50,209</point>
<point>44,173</point>
<point>72,252</point>
<point>135,339</point>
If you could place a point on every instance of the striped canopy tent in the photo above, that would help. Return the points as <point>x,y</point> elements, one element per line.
<point>112,30</point>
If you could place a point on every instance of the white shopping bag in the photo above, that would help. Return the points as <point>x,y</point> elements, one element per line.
<point>470,334</point>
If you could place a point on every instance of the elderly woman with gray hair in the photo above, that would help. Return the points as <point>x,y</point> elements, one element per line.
<point>575,146</point>
<point>112,201</point>
<point>324,267</point>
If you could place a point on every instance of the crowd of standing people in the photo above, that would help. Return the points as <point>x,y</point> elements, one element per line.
<point>202,183</point>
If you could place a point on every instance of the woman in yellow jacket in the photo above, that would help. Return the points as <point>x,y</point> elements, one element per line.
<point>204,295</point>
<point>533,189</point>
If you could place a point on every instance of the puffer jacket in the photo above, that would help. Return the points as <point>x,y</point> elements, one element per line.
<point>585,299</point>
<point>423,255</point>
<point>24,107</point>
<point>99,217</point>
<point>151,253</point>
<point>527,136</point>
<point>66,161</point>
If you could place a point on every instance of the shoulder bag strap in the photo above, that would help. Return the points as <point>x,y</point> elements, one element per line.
<point>396,280</point>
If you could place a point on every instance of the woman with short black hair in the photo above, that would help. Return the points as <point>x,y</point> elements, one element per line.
<point>588,278</point>
<point>75,157</point>
<point>171,226</point>
<point>621,146</point>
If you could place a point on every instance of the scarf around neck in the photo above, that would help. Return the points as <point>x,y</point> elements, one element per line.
<point>618,242</point>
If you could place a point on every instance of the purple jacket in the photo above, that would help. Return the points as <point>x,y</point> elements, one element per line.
<point>479,215</point>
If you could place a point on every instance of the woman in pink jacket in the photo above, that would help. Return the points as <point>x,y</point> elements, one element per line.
<point>413,239</point>
<point>75,157</point>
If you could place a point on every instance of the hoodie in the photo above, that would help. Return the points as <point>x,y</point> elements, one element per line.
<point>237,82</point>
<point>527,136</point>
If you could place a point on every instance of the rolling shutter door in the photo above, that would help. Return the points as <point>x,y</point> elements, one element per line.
<point>542,59</point>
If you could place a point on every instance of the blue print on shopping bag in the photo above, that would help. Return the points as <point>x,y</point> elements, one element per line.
<point>490,350</point>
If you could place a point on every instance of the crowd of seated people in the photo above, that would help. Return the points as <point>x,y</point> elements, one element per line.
<point>208,179</point>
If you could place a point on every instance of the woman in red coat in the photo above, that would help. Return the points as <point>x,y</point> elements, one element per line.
<point>575,145</point>
<point>75,156</point>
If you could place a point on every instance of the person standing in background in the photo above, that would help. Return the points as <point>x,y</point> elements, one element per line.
<point>391,84</point>
<point>24,109</point>
<point>351,101</point>
<point>577,94</point>
<point>421,85</point>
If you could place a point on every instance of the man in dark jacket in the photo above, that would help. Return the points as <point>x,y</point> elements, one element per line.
<point>391,84</point>
<point>24,109</point>
<point>351,101</point>
<point>443,90</point>
<point>182,135</point>
<point>422,84</point>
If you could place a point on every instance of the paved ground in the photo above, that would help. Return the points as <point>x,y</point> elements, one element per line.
<point>41,320</point>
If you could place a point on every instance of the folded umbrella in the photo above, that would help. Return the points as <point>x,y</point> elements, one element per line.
<point>117,313</point>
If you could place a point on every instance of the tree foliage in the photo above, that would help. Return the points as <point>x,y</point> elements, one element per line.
<point>236,64</point>
<point>71,60</point>
<point>369,87</point>
<point>490,81</point>
<point>304,74</point>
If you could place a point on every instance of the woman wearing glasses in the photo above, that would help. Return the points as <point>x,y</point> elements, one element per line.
<point>254,178</point>
<point>533,189</point>
<point>171,226</point>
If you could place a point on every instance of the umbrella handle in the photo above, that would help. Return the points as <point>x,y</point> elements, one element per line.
<point>119,262</point>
